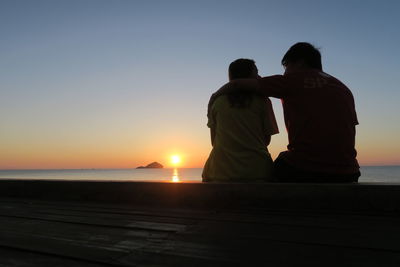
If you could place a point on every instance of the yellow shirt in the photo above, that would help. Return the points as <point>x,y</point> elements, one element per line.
<point>240,150</point>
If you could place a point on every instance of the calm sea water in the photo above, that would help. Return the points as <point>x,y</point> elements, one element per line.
<point>166,174</point>
<point>386,174</point>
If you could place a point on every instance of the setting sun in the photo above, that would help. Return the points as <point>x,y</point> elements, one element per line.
<point>175,159</point>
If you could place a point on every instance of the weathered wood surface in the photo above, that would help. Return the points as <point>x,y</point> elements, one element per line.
<point>341,197</point>
<point>48,232</point>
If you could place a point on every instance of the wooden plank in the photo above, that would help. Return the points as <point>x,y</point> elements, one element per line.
<point>85,218</point>
<point>350,197</point>
<point>60,247</point>
<point>21,258</point>
<point>103,235</point>
<point>268,252</point>
<point>187,217</point>
<point>92,211</point>
<point>318,236</point>
<point>73,243</point>
<point>376,236</point>
<point>379,239</point>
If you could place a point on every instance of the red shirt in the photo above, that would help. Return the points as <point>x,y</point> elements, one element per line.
<point>320,118</point>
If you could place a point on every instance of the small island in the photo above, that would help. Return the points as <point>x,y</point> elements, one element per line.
<point>153,165</point>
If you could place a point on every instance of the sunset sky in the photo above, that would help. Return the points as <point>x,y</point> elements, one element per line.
<point>117,84</point>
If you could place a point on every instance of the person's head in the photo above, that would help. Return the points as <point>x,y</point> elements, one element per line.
<point>242,68</point>
<point>302,56</point>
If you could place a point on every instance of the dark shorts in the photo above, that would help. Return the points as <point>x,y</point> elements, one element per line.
<point>286,173</point>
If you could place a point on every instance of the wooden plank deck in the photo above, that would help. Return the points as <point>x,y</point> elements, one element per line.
<point>66,228</point>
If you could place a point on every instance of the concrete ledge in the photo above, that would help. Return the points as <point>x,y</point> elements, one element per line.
<point>324,197</point>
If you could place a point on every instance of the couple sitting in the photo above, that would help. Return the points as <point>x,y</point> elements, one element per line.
<point>319,115</point>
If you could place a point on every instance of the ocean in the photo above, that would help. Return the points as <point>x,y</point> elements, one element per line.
<point>369,174</point>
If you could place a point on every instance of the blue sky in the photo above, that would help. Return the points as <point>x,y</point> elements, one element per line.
<point>83,83</point>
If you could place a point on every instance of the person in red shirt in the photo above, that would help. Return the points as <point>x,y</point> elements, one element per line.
<point>319,115</point>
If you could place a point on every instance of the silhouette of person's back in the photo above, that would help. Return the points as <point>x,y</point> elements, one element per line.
<point>241,126</point>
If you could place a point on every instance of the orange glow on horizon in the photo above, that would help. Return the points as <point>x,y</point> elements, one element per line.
<point>172,151</point>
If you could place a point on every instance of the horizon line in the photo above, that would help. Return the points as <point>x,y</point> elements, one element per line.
<point>58,169</point>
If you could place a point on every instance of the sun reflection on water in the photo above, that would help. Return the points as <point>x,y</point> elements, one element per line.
<point>175,176</point>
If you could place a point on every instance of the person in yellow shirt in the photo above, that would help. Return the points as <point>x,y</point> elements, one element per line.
<point>241,124</point>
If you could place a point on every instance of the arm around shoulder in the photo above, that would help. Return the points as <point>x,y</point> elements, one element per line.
<point>251,85</point>
<point>274,86</point>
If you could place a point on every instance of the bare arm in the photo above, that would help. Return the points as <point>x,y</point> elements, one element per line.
<point>275,86</point>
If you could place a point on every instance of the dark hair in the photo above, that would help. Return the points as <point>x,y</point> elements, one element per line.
<point>241,68</point>
<point>305,52</point>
